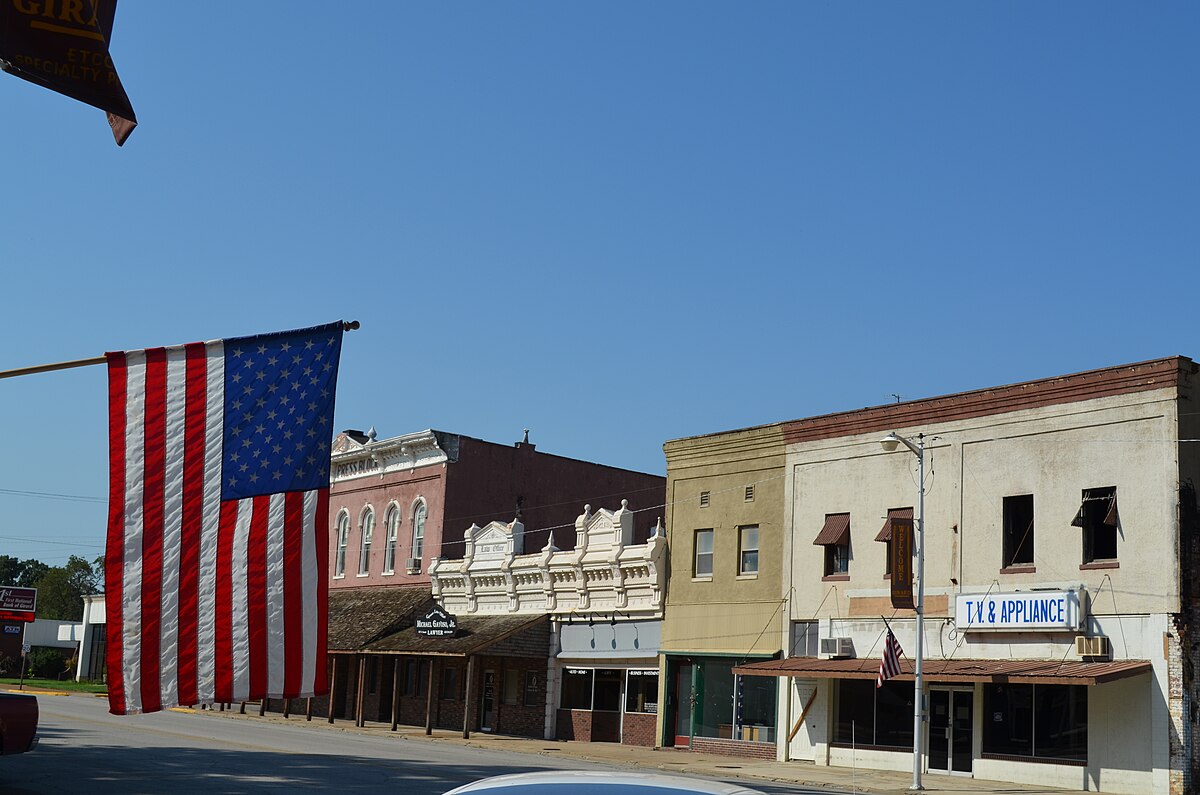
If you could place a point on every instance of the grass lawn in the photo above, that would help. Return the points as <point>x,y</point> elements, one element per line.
<point>10,683</point>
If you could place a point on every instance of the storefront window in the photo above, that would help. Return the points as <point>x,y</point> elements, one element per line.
<point>757,715</point>
<point>576,689</point>
<point>714,709</point>
<point>509,684</point>
<point>1041,721</point>
<point>869,715</point>
<point>607,694</point>
<point>641,691</point>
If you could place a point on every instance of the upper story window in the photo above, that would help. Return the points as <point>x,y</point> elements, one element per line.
<point>748,549</point>
<point>835,537</point>
<point>1098,518</point>
<point>885,534</point>
<point>1018,531</point>
<point>343,538</point>
<point>418,534</point>
<point>364,552</point>
<point>392,523</point>
<point>702,558</point>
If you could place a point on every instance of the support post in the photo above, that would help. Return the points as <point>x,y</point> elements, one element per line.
<point>358,700</point>
<point>308,709</point>
<point>468,697</point>
<point>333,661</point>
<point>396,692</point>
<point>429,700</point>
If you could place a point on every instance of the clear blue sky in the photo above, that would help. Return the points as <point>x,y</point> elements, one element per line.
<point>612,223</point>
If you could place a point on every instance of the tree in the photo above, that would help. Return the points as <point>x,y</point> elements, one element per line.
<point>21,573</point>
<point>62,588</point>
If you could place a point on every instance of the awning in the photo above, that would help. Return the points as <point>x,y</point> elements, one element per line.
<point>604,640</point>
<point>836,530</point>
<point>895,513</point>
<point>1042,672</point>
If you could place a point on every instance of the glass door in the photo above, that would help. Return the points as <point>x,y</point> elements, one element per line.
<point>685,702</point>
<point>951,723</point>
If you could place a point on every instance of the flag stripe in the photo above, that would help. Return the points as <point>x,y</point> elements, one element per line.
<point>131,553</point>
<point>154,432</point>
<point>240,655</point>
<point>320,680</point>
<point>274,592</point>
<point>114,552</point>
<point>309,575</point>
<point>191,521</point>
<point>172,521</point>
<point>293,592</point>
<point>214,510</point>
<point>256,593</point>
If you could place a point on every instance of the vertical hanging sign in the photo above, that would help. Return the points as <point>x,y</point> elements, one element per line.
<point>902,565</point>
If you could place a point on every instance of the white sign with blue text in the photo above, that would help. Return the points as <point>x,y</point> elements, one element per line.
<point>1037,611</point>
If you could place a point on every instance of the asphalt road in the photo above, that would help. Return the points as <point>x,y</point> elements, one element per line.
<point>85,749</point>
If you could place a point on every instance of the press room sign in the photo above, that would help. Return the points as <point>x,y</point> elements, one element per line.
<point>437,623</point>
<point>17,604</point>
<point>1040,611</point>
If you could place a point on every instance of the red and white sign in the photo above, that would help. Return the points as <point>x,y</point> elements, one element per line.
<point>17,604</point>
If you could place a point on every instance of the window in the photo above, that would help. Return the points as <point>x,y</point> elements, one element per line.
<point>607,693</point>
<point>1098,518</point>
<point>885,534</point>
<point>835,537</point>
<point>415,674</point>
<point>449,684</point>
<point>702,563</point>
<point>531,690</point>
<point>750,494</point>
<point>576,689</point>
<point>641,691</point>
<point>343,537</point>
<point>748,549</point>
<point>870,715</point>
<point>418,535</point>
<point>1039,721</point>
<point>509,686</point>
<point>368,530</point>
<point>1018,531</point>
<point>392,522</point>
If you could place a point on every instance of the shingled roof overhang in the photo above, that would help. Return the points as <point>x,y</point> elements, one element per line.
<point>1040,672</point>
<point>475,634</point>
<point>360,616</point>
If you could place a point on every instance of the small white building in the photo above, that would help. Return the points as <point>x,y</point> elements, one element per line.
<point>605,600</point>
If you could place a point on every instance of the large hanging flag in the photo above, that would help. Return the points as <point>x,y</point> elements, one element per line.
<point>890,665</point>
<point>63,45</point>
<point>215,572</point>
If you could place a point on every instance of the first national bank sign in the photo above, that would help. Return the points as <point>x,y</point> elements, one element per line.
<point>1043,611</point>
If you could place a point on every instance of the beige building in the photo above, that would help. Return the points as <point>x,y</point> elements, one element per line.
<point>725,594</point>
<point>1061,560</point>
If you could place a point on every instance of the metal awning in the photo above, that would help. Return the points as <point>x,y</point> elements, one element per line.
<point>835,531</point>
<point>1052,672</point>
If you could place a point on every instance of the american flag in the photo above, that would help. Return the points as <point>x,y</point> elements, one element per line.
<point>890,665</point>
<point>215,586</point>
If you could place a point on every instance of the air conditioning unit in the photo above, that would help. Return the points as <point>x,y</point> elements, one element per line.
<point>413,565</point>
<point>837,647</point>
<point>1091,647</point>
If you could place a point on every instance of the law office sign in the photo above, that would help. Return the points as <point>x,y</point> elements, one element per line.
<point>1027,611</point>
<point>437,623</point>
<point>17,604</point>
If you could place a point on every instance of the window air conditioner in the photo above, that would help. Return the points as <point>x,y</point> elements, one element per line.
<point>1091,647</point>
<point>413,565</point>
<point>837,647</point>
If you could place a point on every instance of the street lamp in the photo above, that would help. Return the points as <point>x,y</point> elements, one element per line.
<point>890,443</point>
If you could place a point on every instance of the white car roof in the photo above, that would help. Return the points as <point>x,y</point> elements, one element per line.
<point>584,782</point>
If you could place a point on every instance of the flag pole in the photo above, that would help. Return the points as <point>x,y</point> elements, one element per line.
<point>347,325</point>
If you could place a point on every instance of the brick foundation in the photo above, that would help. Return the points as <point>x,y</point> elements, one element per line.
<point>742,748</point>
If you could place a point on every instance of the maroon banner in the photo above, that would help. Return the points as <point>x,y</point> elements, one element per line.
<point>902,566</point>
<point>63,46</point>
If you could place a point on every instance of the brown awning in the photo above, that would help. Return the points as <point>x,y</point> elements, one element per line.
<point>836,530</point>
<point>895,513</point>
<point>1051,672</point>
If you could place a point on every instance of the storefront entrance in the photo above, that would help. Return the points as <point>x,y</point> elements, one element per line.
<point>950,730</point>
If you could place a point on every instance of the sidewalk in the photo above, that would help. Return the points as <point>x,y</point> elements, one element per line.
<point>880,782</point>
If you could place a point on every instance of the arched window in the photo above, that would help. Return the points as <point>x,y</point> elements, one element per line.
<point>418,538</point>
<point>343,537</point>
<point>368,530</point>
<point>392,522</point>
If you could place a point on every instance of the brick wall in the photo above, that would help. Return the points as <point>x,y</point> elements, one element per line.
<point>638,729</point>
<point>515,718</point>
<point>742,748</point>
<point>574,724</point>
<point>1183,653</point>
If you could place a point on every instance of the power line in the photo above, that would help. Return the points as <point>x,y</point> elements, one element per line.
<point>49,495</point>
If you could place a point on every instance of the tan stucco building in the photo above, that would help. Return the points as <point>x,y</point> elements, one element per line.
<point>725,594</point>
<point>1061,560</point>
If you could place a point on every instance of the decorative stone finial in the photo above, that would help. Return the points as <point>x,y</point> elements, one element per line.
<point>371,433</point>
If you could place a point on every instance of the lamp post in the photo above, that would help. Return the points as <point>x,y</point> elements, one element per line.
<point>890,443</point>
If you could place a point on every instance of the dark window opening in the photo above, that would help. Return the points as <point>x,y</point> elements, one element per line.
<point>1039,721</point>
<point>1018,531</point>
<point>641,693</point>
<point>1098,518</point>
<point>576,690</point>
<point>837,559</point>
<point>869,715</point>
<point>449,684</point>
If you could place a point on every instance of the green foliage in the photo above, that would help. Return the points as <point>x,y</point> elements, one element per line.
<point>46,663</point>
<point>21,573</point>
<point>62,588</point>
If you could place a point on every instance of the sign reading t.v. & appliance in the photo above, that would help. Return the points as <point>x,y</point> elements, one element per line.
<point>1035,611</point>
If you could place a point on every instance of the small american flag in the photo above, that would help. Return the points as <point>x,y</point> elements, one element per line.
<point>890,665</point>
<point>215,587</point>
